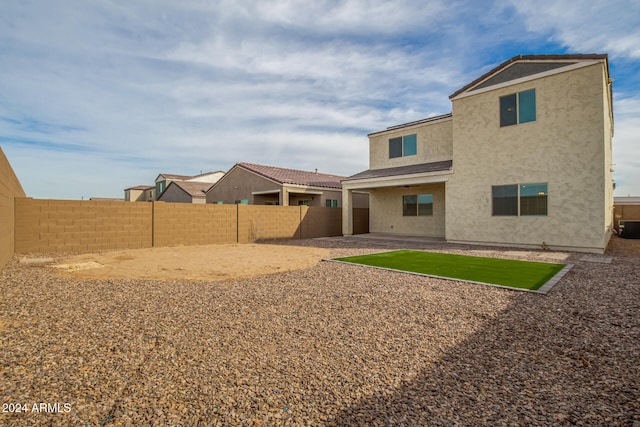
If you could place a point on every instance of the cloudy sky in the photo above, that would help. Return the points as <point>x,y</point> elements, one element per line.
<point>100,95</point>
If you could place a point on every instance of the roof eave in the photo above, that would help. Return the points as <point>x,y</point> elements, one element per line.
<point>505,64</point>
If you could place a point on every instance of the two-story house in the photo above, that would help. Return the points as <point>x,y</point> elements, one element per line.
<point>524,159</point>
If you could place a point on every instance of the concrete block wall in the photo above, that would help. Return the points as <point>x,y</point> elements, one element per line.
<point>268,222</point>
<point>81,226</point>
<point>10,188</point>
<point>625,212</point>
<point>320,222</point>
<point>48,226</point>
<point>193,224</point>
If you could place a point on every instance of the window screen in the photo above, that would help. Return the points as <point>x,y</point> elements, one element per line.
<point>533,199</point>
<point>527,106</point>
<point>425,204</point>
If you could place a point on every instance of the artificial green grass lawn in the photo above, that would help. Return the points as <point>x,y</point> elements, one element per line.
<point>506,272</point>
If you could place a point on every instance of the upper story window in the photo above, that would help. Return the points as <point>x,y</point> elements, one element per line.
<point>159,187</point>
<point>403,146</point>
<point>518,108</point>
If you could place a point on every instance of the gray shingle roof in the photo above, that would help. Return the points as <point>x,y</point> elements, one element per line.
<point>194,189</point>
<point>528,70</point>
<point>403,170</point>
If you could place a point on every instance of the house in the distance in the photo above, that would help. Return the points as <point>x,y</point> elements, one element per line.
<point>248,183</point>
<point>524,159</point>
<point>140,193</point>
<point>164,179</point>
<point>185,192</point>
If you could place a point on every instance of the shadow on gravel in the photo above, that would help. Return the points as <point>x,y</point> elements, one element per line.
<point>568,358</point>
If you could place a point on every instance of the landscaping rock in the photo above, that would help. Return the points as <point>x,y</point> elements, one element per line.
<point>334,344</point>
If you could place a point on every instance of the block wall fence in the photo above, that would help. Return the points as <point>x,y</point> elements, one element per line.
<point>625,212</point>
<point>47,226</point>
<point>10,188</point>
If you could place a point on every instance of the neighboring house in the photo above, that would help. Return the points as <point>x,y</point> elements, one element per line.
<point>164,179</point>
<point>185,192</point>
<point>247,183</point>
<point>524,160</point>
<point>140,193</point>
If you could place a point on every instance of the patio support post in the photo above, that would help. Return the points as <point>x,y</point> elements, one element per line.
<point>347,211</point>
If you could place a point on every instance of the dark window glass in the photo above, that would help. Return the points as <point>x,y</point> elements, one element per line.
<point>527,106</point>
<point>395,147</point>
<point>425,205</point>
<point>533,199</point>
<point>505,200</point>
<point>409,205</point>
<point>508,114</point>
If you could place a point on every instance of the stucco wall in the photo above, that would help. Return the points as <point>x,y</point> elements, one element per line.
<point>386,211</point>
<point>564,147</point>
<point>434,144</point>
<point>10,188</point>
<point>238,185</point>
<point>174,194</point>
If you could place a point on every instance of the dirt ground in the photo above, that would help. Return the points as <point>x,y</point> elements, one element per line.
<point>206,262</point>
<point>221,262</point>
<point>623,247</point>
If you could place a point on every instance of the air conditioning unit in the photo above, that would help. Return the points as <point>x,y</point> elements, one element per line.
<point>630,229</point>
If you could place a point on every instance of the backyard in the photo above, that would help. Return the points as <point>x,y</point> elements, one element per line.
<point>292,340</point>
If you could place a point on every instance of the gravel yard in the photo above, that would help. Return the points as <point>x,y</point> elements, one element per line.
<point>332,344</point>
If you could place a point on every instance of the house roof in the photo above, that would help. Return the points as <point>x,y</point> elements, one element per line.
<point>529,65</point>
<point>417,122</point>
<point>403,170</point>
<point>205,174</point>
<point>141,187</point>
<point>629,200</point>
<point>294,176</point>
<point>194,189</point>
<point>174,176</point>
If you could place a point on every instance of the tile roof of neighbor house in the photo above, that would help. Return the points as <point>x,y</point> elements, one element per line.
<point>403,170</point>
<point>194,189</point>
<point>294,176</point>
<point>141,187</point>
<point>527,68</point>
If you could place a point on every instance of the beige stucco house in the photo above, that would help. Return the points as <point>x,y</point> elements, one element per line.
<point>140,193</point>
<point>253,184</point>
<point>185,192</point>
<point>523,159</point>
<point>164,179</point>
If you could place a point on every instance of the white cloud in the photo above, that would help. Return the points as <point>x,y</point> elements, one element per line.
<point>169,86</point>
<point>626,147</point>
<point>586,26</point>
